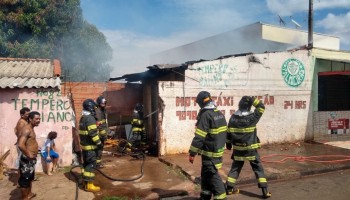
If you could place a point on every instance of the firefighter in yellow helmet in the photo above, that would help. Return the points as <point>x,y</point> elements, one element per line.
<point>90,144</point>
<point>243,139</point>
<point>209,142</point>
<point>102,126</point>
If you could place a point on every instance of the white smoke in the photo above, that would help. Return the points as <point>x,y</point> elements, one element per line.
<point>200,19</point>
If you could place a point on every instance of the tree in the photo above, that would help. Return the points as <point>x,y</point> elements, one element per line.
<point>54,29</point>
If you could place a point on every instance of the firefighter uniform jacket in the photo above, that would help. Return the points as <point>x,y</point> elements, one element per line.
<point>89,138</point>
<point>243,133</point>
<point>210,136</point>
<point>102,127</point>
<point>138,123</point>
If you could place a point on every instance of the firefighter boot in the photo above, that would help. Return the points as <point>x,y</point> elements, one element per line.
<point>90,187</point>
<point>266,194</point>
<point>231,190</point>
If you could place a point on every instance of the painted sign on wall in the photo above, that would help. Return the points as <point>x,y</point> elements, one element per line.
<point>338,126</point>
<point>293,72</point>
<point>216,74</point>
<point>220,101</point>
<point>294,104</point>
<point>50,105</point>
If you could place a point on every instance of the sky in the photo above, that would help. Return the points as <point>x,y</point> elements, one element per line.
<point>137,29</point>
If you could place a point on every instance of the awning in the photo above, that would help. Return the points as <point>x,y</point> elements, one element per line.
<point>334,73</point>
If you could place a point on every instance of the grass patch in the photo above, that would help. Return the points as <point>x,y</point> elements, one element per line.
<point>177,172</point>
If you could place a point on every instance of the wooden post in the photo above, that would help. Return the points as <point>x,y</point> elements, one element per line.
<point>2,164</point>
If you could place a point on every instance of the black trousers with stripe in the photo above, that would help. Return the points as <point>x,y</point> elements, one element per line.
<point>256,167</point>
<point>89,163</point>
<point>211,182</point>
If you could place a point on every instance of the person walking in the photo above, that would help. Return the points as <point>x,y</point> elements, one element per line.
<point>209,142</point>
<point>102,126</point>
<point>29,147</point>
<point>49,153</point>
<point>244,141</point>
<point>90,144</point>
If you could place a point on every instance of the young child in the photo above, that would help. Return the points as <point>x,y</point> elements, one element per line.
<point>48,152</point>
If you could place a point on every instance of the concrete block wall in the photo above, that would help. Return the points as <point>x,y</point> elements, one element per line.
<point>320,123</point>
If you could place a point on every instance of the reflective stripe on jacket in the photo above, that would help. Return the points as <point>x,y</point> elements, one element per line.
<point>243,133</point>
<point>138,123</point>
<point>89,138</point>
<point>101,118</point>
<point>210,135</point>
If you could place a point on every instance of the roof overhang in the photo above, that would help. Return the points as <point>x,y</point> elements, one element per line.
<point>334,73</point>
<point>154,71</point>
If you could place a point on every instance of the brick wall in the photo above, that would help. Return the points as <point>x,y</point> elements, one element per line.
<point>121,98</point>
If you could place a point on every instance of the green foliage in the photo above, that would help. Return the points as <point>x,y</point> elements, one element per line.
<point>54,30</point>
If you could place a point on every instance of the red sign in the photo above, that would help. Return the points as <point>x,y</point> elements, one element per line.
<point>338,124</point>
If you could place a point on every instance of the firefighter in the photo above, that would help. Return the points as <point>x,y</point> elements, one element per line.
<point>209,142</point>
<point>138,127</point>
<point>102,126</point>
<point>90,144</point>
<point>243,139</point>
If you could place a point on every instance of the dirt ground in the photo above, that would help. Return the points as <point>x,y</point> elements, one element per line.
<point>159,181</point>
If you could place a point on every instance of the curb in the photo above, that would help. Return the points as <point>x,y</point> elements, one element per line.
<point>270,177</point>
<point>182,171</point>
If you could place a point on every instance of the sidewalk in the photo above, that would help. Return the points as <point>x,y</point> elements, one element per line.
<point>295,165</point>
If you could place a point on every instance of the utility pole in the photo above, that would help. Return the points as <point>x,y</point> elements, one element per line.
<point>310,25</point>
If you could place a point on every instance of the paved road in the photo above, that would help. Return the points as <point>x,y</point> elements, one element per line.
<point>335,185</point>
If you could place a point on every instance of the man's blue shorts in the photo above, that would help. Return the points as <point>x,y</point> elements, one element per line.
<point>53,154</point>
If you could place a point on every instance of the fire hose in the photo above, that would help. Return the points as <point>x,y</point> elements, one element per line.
<point>134,155</point>
<point>316,159</point>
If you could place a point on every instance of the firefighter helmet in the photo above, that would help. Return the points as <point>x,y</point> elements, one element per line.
<point>139,107</point>
<point>100,100</point>
<point>89,105</point>
<point>245,103</point>
<point>203,98</point>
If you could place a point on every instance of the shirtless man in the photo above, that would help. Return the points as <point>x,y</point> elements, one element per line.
<point>29,146</point>
<point>24,112</point>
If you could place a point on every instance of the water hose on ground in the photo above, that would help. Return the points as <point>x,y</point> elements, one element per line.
<point>297,158</point>
<point>135,155</point>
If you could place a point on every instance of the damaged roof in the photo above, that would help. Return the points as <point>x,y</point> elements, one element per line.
<point>158,70</point>
<point>153,71</point>
<point>29,73</point>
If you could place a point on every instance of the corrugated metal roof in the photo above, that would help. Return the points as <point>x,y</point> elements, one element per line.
<point>28,73</point>
<point>164,66</point>
<point>12,82</point>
